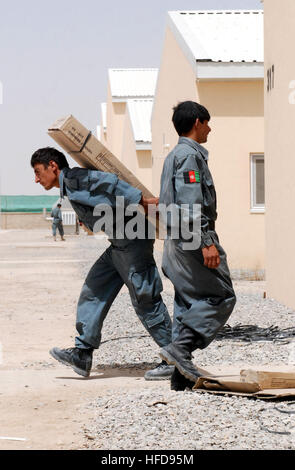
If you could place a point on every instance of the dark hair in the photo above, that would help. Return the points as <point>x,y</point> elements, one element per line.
<point>48,154</point>
<point>59,204</point>
<point>185,115</point>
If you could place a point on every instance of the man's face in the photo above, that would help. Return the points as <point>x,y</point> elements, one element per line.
<point>203,131</point>
<point>47,177</point>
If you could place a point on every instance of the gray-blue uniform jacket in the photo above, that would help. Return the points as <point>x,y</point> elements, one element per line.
<point>88,188</point>
<point>125,261</point>
<point>56,214</point>
<point>204,297</point>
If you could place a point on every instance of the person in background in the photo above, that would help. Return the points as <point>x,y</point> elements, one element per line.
<point>57,222</point>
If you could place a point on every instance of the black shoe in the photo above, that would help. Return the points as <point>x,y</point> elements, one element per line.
<point>79,359</point>
<point>161,372</point>
<point>179,383</point>
<point>175,356</point>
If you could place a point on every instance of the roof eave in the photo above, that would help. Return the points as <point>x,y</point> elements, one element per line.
<point>123,99</point>
<point>140,145</point>
<point>222,71</point>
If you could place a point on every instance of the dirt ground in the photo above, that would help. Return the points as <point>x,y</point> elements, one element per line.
<point>43,404</point>
<point>41,400</point>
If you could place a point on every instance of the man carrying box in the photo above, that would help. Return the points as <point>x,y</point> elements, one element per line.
<point>125,261</point>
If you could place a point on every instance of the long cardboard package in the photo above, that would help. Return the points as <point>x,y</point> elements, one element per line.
<point>89,152</point>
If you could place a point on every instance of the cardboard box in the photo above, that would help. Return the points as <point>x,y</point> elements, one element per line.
<point>268,382</point>
<point>277,378</point>
<point>89,152</point>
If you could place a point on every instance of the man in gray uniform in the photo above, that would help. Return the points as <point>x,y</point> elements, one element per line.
<point>57,222</point>
<point>204,295</point>
<point>125,261</point>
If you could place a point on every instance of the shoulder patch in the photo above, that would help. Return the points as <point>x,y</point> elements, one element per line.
<point>192,176</point>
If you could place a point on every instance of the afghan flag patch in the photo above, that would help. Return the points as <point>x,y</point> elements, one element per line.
<point>191,177</point>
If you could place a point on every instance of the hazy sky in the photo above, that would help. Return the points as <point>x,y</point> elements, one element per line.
<point>54,58</point>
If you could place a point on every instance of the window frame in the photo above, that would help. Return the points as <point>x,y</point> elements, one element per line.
<point>254,207</point>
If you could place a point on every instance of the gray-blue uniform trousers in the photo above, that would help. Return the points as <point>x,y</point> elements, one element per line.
<point>204,297</point>
<point>57,222</point>
<point>129,262</point>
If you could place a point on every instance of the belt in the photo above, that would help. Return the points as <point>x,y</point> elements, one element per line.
<point>211,225</point>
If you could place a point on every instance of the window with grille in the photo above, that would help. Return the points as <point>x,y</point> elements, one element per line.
<point>68,218</point>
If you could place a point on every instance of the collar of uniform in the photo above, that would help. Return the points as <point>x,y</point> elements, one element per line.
<point>204,152</point>
<point>62,184</point>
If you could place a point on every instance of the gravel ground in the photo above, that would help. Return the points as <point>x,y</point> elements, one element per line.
<point>188,420</point>
<point>150,420</point>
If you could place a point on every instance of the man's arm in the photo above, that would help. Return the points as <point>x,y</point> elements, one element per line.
<point>188,190</point>
<point>109,184</point>
<point>103,187</point>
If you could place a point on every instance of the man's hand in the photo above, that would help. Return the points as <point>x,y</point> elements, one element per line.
<point>145,202</point>
<point>211,256</point>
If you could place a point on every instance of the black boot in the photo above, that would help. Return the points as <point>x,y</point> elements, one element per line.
<point>178,353</point>
<point>179,383</point>
<point>160,372</point>
<point>79,359</point>
<point>188,340</point>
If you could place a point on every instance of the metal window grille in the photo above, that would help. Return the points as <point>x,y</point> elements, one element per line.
<point>68,218</point>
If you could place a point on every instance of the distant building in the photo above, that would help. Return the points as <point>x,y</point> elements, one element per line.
<point>102,128</point>
<point>126,119</point>
<point>280,144</point>
<point>25,212</point>
<point>33,212</point>
<point>216,58</point>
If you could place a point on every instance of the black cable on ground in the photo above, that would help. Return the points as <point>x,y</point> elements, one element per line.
<point>253,333</point>
<point>280,410</point>
<point>239,332</point>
